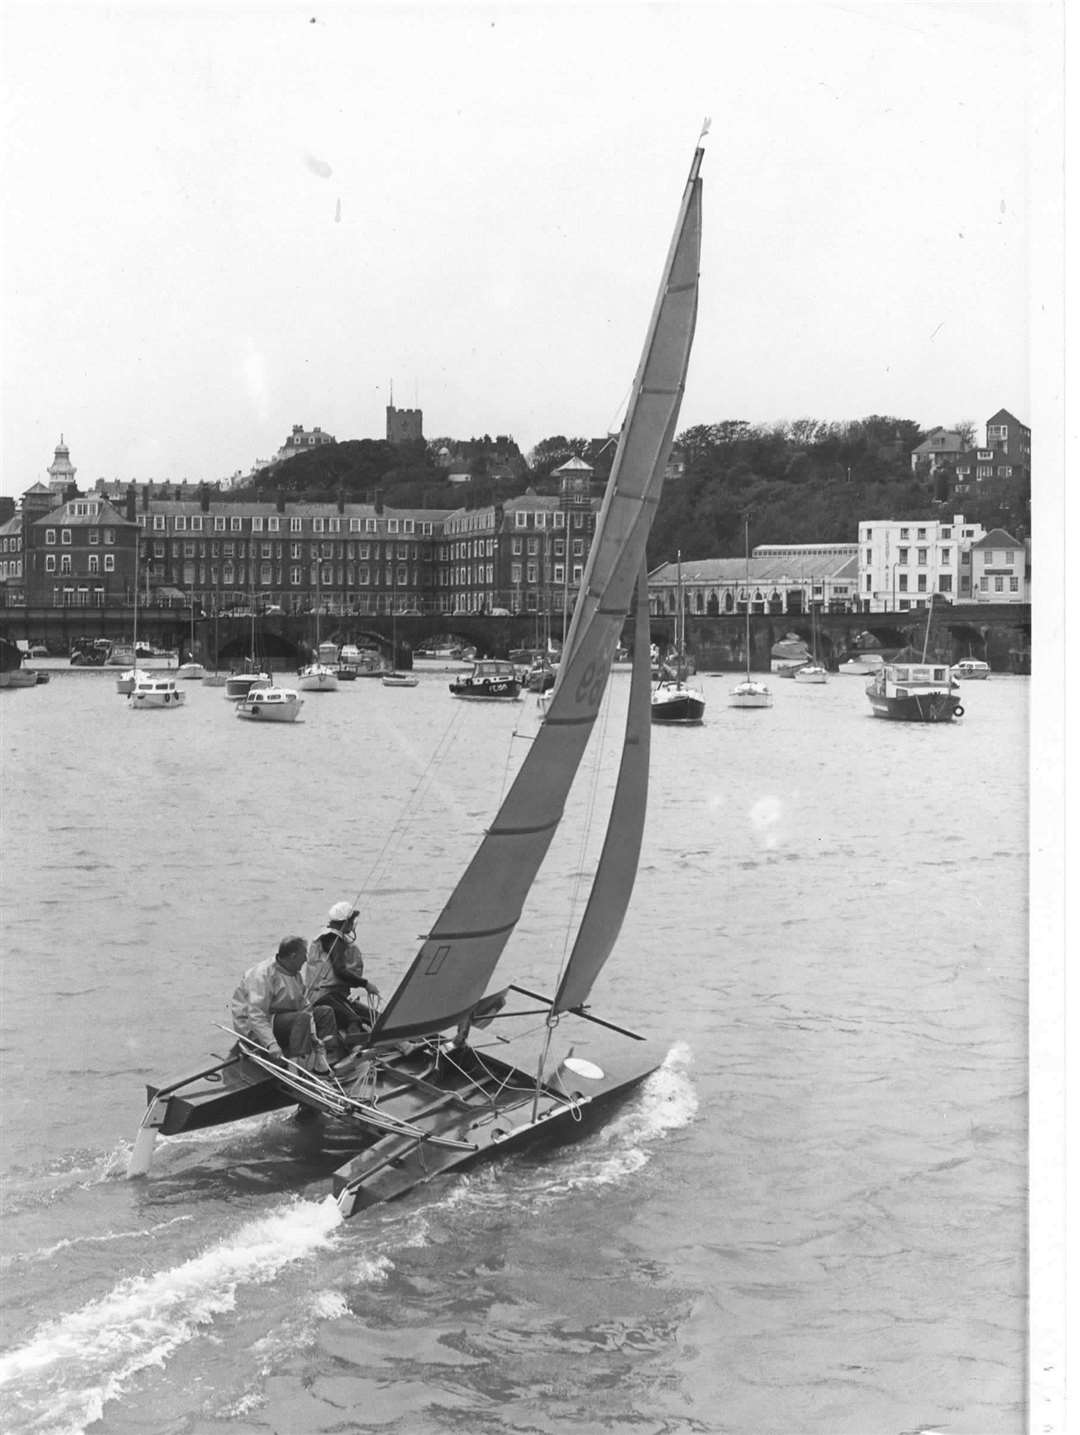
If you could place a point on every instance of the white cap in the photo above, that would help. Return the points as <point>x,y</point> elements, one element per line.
<point>341,912</point>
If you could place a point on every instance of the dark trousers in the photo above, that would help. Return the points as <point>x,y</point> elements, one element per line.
<point>344,1012</point>
<point>293,1030</point>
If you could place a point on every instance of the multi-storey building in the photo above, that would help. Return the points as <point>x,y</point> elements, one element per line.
<point>999,569</point>
<point>942,448</point>
<point>902,562</point>
<point>1004,459</point>
<point>404,425</point>
<point>303,440</point>
<point>80,555</point>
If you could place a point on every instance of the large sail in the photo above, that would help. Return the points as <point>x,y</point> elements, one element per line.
<point>615,872</point>
<point>454,965</point>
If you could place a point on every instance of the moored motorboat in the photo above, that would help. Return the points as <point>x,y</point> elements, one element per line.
<point>238,685</point>
<point>400,680</point>
<point>152,691</point>
<point>270,704</point>
<point>491,680</point>
<point>126,681</point>
<point>862,664</point>
<point>971,668</point>
<point>909,690</point>
<point>423,1096</point>
<point>191,672</point>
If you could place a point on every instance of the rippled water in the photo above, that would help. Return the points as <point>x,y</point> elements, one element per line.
<point>812,1219</point>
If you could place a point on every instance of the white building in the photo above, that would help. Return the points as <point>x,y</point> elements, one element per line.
<point>902,562</point>
<point>999,569</point>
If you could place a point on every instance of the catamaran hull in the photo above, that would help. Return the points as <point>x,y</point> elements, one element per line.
<point>441,1107</point>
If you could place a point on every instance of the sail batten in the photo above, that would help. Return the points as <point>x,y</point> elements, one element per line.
<point>451,972</point>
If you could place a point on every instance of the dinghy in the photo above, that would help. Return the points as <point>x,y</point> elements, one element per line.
<point>455,1067</point>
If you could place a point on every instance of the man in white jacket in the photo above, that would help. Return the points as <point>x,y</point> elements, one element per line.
<point>271,1007</point>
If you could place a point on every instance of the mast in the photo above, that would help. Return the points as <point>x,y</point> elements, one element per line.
<point>747,551</point>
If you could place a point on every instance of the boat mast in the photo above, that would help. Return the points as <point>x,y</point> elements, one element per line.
<point>747,550</point>
<point>926,635</point>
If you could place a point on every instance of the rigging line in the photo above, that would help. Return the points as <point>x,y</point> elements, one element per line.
<point>399,828</point>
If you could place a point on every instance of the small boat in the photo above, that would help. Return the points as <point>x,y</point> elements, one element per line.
<point>909,688</point>
<point>862,663</point>
<point>749,693</point>
<point>424,1096</point>
<point>191,672</point>
<point>20,678</point>
<point>270,704</point>
<point>125,683</point>
<point>491,680</point>
<point>789,654</point>
<point>811,673</point>
<point>971,668</point>
<point>151,691</point>
<point>317,678</point>
<point>238,685</point>
<point>400,680</point>
<point>674,700</point>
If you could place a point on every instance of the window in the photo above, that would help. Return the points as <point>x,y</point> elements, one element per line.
<point>920,556</point>
<point>945,583</point>
<point>266,550</point>
<point>318,525</point>
<point>1014,585</point>
<point>257,524</point>
<point>180,523</point>
<point>110,562</point>
<point>903,558</point>
<point>159,522</point>
<point>50,535</point>
<point>999,585</point>
<point>273,524</point>
<point>93,564</point>
<point>869,557</point>
<point>65,535</point>
<point>50,563</point>
<point>197,523</point>
<point>93,535</point>
<point>296,525</point>
<point>189,550</point>
<point>868,534</point>
<point>392,525</point>
<point>1010,555</point>
<point>868,583</point>
<point>521,519</point>
<point>558,572</point>
<point>295,575</point>
<point>946,555</point>
<point>110,535</point>
<point>984,584</point>
<point>219,523</point>
<point>905,533</point>
<point>235,525</point>
<point>946,533</point>
<point>902,582</point>
<point>65,563</point>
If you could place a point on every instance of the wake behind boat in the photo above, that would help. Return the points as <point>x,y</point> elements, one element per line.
<point>451,1071</point>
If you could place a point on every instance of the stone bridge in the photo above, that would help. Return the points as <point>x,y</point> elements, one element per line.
<point>1000,634</point>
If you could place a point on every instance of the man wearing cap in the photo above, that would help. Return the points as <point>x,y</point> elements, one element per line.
<point>334,967</point>
<point>271,1007</point>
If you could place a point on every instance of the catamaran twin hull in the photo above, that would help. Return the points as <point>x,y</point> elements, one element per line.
<point>421,1109</point>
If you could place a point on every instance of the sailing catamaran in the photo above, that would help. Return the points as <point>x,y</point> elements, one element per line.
<point>450,1072</point>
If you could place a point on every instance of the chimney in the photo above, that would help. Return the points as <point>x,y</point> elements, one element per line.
<point>130,513</point>
<point>378,502</point>
<point>280,500</point>
<point>341,500</point>
<point>146,498</point>
<point>204,498</point>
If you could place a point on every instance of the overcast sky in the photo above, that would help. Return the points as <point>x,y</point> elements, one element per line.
<point>221,220</point>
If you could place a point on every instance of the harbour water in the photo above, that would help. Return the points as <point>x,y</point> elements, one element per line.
<point>812,1219</point>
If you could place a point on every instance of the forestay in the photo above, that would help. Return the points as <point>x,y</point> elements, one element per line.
<point>451,972</point>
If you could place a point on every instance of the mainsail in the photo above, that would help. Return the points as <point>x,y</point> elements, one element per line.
<point>451,972</point>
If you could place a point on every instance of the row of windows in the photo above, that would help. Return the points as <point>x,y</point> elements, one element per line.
<point>93,535</point>
<point>92,563</point>
<point>190,549</point>
<point>221,523</point>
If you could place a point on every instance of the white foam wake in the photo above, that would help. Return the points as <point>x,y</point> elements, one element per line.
<point>67,1372</point>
